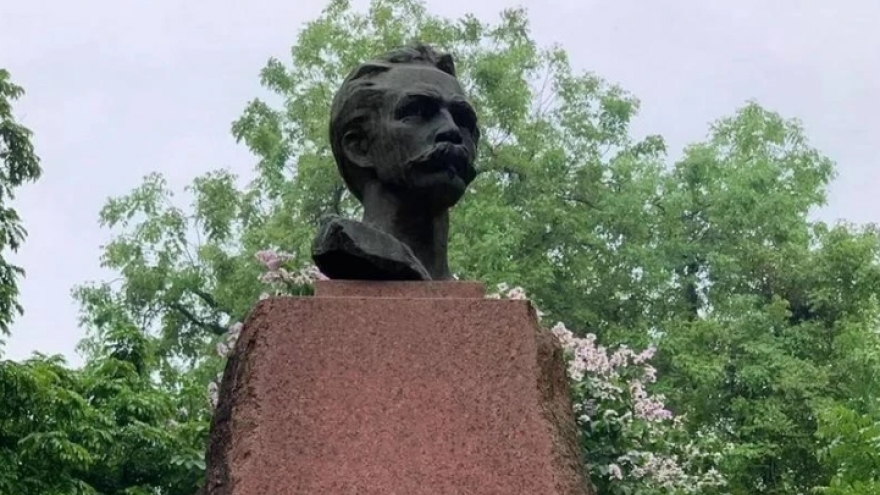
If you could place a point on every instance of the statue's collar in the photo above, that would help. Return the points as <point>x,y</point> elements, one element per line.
<point>349,249</point>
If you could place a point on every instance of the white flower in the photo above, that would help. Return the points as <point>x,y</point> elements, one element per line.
<point>614,472</point>
<point>222,350</point>
<point>213,394</point>
<point>517,293</point>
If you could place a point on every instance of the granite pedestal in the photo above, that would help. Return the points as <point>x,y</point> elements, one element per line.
<point>406,388</point>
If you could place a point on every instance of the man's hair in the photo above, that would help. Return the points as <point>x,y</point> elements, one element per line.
<point>356,100</point>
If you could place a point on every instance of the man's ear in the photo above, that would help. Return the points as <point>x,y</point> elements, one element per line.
<point>356,147</point>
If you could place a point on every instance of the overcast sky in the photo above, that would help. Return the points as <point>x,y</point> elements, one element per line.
<point>119,89</point>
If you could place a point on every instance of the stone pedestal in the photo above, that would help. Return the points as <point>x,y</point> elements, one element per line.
<point>406,388</point>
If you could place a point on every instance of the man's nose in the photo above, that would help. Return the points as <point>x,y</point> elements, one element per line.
<point>448,131</point>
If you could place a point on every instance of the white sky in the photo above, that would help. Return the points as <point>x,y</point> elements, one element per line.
<point>119,89</point>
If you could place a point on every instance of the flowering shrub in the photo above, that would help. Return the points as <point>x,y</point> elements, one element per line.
<point>633,445</point>
<point>283,282</point>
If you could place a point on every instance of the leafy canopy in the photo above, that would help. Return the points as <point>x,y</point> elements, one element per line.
<point>18,165</point>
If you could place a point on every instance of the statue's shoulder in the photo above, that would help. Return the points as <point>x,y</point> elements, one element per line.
<point>348,249</point>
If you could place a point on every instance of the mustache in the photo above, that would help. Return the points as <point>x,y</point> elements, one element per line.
<point>443,155</point>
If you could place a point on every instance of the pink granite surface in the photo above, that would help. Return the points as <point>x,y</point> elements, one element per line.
<point>381,389</point>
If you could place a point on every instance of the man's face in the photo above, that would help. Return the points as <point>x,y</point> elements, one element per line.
<point>423,144</point>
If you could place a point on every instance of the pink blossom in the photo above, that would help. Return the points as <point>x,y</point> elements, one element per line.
<point>234,330</point>
<point>213,394</point>
<point>232,335</point>
<point>614,472</point>
<point>272,259</point>
<point>650,374</point>
<point>315,274</point>
<point>645,355</point>
<point>517,293</point>
<point>620,357</point>
<point>271,277</point>
<point>222,350</point>
<point>647,408</point>
<point>277,275</point>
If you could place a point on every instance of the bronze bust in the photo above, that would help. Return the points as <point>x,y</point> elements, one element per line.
<point>404,138</point>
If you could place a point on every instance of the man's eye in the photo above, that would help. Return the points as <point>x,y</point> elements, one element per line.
<point>465,119</point>
<point>419,108</point>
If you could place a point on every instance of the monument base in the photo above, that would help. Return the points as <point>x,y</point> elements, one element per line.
<point>408,388</point>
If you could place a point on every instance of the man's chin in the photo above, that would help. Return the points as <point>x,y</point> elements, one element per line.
<point>441,189</point>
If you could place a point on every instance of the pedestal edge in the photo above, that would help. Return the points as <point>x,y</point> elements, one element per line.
<point>400,289</point>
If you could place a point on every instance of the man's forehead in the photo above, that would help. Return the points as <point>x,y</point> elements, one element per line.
<point>421,79</point>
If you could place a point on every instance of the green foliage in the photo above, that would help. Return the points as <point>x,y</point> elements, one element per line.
<point>108,428</point>
<point>770,304</point>
<point>853,449</point>
<point>124,424</point>
<point>18,165</point>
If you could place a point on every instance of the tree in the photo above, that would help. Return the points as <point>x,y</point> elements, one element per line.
<point>773,304</point>
<point>18,165</point>
<point>108,428</point>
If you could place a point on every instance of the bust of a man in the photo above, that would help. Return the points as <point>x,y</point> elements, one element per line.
<point>404,138</point>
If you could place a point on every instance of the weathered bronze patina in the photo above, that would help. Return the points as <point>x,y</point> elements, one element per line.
<point>405,139</point>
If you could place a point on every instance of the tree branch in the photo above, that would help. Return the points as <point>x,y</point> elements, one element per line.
<point>207,298</point>
<point>583,201</point>
<point>214,328</point>
<point>336,202</point>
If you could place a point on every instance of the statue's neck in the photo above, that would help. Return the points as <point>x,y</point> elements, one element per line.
<point>426,233</point>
